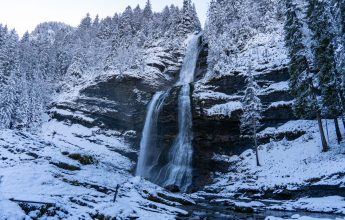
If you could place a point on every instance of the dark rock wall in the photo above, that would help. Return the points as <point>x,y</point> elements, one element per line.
<point>121,104</point>
<point>220,134</point>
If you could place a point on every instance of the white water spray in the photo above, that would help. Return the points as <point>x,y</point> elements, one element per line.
<point>179,169</point>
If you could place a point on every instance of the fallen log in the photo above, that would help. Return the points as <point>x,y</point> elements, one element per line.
<point>32,202</point>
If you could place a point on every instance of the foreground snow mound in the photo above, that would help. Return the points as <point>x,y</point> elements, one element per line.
<point>72,172</point>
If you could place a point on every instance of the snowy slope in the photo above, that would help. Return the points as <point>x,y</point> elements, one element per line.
<point>40,168</point>
<point>288,163</point>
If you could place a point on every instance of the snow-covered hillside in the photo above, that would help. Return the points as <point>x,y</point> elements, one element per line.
<point>72,172</point>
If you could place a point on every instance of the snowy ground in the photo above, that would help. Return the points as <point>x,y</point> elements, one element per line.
<point>41,169</point>
<point>290,165</point>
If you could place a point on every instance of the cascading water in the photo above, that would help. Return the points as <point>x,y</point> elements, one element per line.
<point>178,169</point>
<point>148,144</point>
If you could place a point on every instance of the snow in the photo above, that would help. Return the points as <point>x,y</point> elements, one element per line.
<point>288,163</point>
<point>264,51</point>
<point>77,114</point>
<point>10,210</point>
<point>330,204</point>
<point>224,109</point>
<point>280,104</point>
<point>205,95</point>
<point>27,172</point>
<point>280,86</point>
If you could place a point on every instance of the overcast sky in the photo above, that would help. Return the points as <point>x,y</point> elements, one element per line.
<point>26,14</point>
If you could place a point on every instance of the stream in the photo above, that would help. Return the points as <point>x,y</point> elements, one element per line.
<point>204,210</point>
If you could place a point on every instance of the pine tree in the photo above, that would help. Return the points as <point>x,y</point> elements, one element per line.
<point>95,23</point>
<point>197,24</point>
<point>138,19</point>
<point>301,76</point>
<point>8,73</point>
<point>86,22</point>
<point>297,51</point>
<point>324,55</point>
<point>252,108</point>
<point>335,10</point>
<point>7,103</point>
<point>126,24</point>
<point>189,20</point>
<point>147,12</point>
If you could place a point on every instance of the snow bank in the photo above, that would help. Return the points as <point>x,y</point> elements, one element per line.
<point>10,210</point>
<point>280,104</point>
<point>288,163</point>
<point>280,86</point>
<point>224,109</point>
<point>330,204</point>
<point>38,168</point>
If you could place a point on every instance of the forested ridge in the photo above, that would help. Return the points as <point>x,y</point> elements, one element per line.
<point>315,40</point>
<point>55,56</point>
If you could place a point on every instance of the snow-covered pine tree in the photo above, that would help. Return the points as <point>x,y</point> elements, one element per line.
<point>189,19</point>
<point>212,29</point>
<point>24,86</point>
<point>335,9</point>
<point>86,22</point>
<point>147,12</point>
<point>138,18</point>
<point>148,27</point>
<point>166,16</point>
<point>126,24</point>
<point>95,22</point>
<point>324,56</point>
<point>8,72</point>
<point>252,108</point>
<point>297,51</point>
<point>174,21</point>
<point>76,70</point>
<point>7,103</point>
<point>197,24</point>
<point>305,104</point>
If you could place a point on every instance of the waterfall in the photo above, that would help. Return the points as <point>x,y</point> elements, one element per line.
<point>148,143</point>
<point>178,169</point>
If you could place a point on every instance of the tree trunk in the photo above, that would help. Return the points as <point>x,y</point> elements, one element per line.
<point>256,145</point>
<point>337,130</point>
<point>340,93</point>
<point>325,146</point>
<point>327,130</point>
<point>343,104</point>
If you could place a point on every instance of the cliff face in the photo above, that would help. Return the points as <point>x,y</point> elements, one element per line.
<point>217,105</point>
<point>120,103</point>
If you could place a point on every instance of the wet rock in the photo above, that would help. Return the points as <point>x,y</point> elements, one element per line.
<point>172,188</point>
<point>158,199</point>
<point>176,198</point>
<point>243,209</point>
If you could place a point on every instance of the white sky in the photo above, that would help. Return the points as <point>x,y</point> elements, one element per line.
<point>25,15</point>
